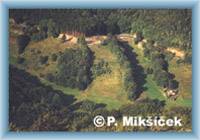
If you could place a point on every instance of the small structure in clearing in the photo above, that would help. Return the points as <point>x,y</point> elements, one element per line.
<point>71,37</point>
<point>171,93</point>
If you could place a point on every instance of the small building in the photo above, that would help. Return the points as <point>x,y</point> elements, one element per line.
<point>172,93</point>
<point>68,37</point>
<point>178,53</point>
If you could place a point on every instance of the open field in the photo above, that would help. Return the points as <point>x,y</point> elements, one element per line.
<point>107,88</point>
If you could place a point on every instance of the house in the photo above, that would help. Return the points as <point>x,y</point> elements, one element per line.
<point>69,37</point>
<point>178,53</point>
<point>172,93</point>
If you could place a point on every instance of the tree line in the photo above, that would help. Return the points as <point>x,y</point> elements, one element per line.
<point>169,27</point>
<point>159,67</point>
<point>128,77</point>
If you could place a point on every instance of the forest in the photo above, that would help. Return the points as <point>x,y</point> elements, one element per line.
<point>69,65</point>
<point>160,23</point>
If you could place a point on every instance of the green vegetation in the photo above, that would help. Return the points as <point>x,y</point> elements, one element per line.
<point>109,62</point>
<point>181,71</point>
<point>102,67</point>
<point>36,107</point>
<point>159,66</point>
<point>43,59</point>
<point>20,60</point>
<point>46,28</point>
<point>81,40</point>
<point>138,37</point>
<point>74,68</point>
<point>157,25</point>
<point>128,79</point>
<point>22,42</point>
<point>54,57</point>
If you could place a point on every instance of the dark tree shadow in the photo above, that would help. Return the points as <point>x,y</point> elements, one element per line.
<point>29,98</point>
<point>137,70</point>
<point>77,105</point>
<point>31,90</point>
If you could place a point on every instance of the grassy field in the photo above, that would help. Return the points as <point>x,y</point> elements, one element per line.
<point>183,73</point>
<point>107,88</point>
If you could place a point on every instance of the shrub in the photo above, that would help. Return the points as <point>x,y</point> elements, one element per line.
<point>81,40</point>
<point>179,61</point>
<point>173,84</point>
<point>38,52</point>
<point>169,56</point>
<point>88,106</point>
<point>188,58</point>
<point>50,77</point>
<point>100,68</point>
<point>138,37</point>
<point>149,70</point>
<point>54,57</point>
<point>22,42</point>
<point>144,107</point>
<point>43,59</point>
<point>161,78</point>
<point>20,60</point>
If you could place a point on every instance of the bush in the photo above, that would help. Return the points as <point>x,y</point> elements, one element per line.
<point>173,84</point>
<point>144,107</point>
<point>88,106</point>
<point>22,42</point>
<point>160,63</point>
<point>50,77</point>
<point>20,60</point>
<point>54,57</point>
<point>43,59</point>
<point>188,58</point>
<point>38,52</point>
<point>161,78</point>
<point>138,37</point>
<point>149,71</point>
<point>82,41</point>
<point>179,61</point>
<point>100,68</point>
<point>169,56</point>
<point>104,42</point>
<point>146,52</point>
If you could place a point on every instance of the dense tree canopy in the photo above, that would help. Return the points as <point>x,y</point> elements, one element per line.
<point>168,27</point>
<point>74,67</point>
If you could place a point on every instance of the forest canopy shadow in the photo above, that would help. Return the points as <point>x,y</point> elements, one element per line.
<point>137,70</point>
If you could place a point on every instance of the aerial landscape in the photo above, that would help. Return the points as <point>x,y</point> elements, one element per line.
<point>68,65</point>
